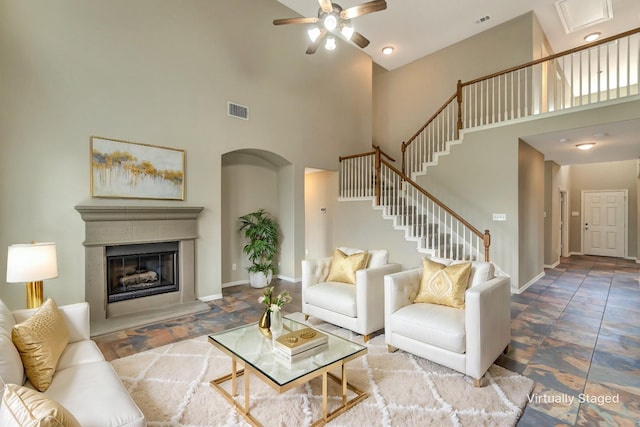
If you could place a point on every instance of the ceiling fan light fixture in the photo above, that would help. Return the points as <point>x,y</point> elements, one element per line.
<point>314,33</point>
<point>347,32</point>
<point>330,22</point>
<point>387,50</point>
<point>330,44</point>
<point>585,146</point>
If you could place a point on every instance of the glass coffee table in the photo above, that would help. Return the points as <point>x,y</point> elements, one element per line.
<point>247,346</point>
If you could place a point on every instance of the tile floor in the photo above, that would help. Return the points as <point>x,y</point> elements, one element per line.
<point>576,332</point>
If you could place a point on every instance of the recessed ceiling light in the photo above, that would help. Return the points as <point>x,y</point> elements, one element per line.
<point>387,50</point>
<point>591,37</point>
<point>585,146</point>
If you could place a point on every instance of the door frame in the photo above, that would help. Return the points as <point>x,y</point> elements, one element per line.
<point>564,223</point>
<point>626,218</point>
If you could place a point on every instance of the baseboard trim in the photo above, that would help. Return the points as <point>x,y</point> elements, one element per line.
<point>554,265</point>
<point>236,283</point>
<point>288,279</point>
<point>529,283</point>
<point>210,297</point>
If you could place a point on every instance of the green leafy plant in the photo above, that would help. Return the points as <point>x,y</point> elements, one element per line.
<point>261,231</point>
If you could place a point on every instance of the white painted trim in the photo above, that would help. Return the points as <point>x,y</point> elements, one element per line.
<point>554,265</point>
<point>529,283</point>
<point>236,283</point>
<point>288,279</point>
<point>210,297</point>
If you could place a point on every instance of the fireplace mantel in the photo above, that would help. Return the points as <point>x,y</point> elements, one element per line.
<point>123,225</point>
<point>137,213</point>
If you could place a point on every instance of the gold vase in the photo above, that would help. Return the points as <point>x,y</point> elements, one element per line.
<point>265,324</point>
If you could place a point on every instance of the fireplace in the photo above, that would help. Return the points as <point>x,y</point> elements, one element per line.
<point>136,271</point>
<point>139,259</point>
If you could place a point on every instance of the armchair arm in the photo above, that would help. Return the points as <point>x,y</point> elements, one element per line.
<point>314,271</point>
<point>400,289</point>
<point>487,322</point>
<point>370,285</point>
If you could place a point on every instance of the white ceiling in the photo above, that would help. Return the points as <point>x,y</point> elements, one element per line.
<point>416,28</point>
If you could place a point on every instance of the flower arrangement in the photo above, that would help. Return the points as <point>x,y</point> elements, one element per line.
<point>274,303</point>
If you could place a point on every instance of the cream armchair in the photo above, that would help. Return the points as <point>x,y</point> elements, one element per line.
<point>467,339</point>
<point>358,307</point>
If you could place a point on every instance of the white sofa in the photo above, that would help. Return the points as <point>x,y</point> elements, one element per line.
<point>467,339</point>
<point>83,383</point>
<point>358,307</point>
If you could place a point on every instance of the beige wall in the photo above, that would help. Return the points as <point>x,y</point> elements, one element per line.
<point>604,176</point>
<point>551,213</point>
<point>161,72</point>
<point>531,184</point>
<point>406,97</point>
<point>321,198</point>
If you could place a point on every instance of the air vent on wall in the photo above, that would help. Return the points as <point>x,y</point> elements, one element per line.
<point>236,110</point>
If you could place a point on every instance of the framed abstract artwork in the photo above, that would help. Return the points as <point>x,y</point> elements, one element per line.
<point>122,169</point>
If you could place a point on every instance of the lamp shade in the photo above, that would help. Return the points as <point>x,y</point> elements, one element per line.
<point>31,262</point>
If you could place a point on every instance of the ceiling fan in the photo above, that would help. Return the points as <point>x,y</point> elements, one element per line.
<point>333,19</point>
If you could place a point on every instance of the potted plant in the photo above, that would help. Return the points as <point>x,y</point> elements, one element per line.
<point>261,231</point>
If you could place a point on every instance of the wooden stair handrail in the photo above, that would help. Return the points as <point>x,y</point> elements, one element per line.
<point>432,118</point>
<point>377,147</point>
<point>554,56</point>
<point>486,236</point>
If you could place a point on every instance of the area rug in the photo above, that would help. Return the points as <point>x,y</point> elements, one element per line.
<point>171,386</point>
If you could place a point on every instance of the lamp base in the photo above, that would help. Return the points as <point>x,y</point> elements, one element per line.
<point>34,294</point>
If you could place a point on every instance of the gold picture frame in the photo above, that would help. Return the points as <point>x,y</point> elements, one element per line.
<point>130,170</point>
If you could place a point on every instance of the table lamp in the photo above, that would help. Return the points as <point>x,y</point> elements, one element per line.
<point>32,263</point>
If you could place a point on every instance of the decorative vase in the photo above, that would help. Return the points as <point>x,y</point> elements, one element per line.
<point>265,324</point>
<point>276,324</point>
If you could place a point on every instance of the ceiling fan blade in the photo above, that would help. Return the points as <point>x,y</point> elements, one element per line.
<point>360,40</point>
<point>314,46</point>
<point>295,21</point>
<point>326,5</point>
<point>363,9</point>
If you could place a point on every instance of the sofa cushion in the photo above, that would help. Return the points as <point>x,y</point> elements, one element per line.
<point>481,271</point>
<point>333,296</point>
<point>93,392</point>
<point>377,257</point>
<point>443,285</point>
<point>11,369</point>
<point>343,267</point>
<point>22,406</point>
<point>76,353</point>
<point>40,340</point>
<point>434,324</point>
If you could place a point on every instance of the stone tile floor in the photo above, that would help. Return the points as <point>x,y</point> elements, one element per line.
<point>576,332</point>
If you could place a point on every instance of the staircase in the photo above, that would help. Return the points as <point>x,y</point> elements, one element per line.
<point>601,71</point>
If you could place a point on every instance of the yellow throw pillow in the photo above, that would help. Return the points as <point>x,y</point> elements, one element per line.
<point>343,267</point>
<point>443,285</point>
<point>40,340</point>
<point>22,406</point>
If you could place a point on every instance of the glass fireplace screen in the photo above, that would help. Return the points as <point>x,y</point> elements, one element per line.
<point>135,271</point>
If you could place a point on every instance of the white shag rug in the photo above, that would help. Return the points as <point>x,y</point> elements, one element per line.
<point>171,386</point>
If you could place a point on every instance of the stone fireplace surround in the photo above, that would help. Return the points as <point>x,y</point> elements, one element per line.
<point>123,225</point>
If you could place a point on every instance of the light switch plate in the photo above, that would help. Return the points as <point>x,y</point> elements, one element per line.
<point>499,217</point>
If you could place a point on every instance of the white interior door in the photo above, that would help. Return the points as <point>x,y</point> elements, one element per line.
<point>604,223</point>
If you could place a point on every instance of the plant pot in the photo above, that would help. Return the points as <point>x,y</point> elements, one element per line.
<point>259,279</point>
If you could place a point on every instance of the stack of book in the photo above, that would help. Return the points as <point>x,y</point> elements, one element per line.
<point>300,344</point>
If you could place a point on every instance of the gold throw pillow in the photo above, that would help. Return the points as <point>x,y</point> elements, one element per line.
<point>22,406</point>
<point>40,340</point>
<point>444,285</point>
<point>343,267</point>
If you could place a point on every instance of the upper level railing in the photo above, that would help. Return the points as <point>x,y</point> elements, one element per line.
<point>601,71</point>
